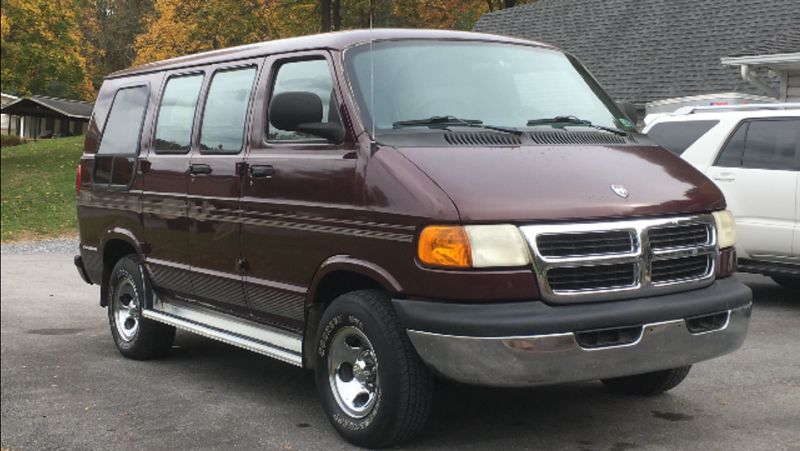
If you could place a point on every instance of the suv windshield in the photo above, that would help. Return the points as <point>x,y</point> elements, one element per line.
<point>497,84</point>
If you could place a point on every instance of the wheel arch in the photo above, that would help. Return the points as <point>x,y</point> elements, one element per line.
<point>116,243</point>
<point>336,276</point>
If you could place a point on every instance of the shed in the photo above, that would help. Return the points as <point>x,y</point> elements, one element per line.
<point>43,116</point>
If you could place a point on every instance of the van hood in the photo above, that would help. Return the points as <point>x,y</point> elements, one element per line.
<point>537,183</point>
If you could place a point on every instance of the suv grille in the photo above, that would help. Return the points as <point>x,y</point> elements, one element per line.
<point>619,259</point>
<point>585,243</point>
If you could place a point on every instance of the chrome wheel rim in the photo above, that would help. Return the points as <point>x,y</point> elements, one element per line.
<point>353,372</point>
<point>125,308</point>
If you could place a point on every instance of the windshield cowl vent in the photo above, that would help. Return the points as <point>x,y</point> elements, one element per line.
<point>481,139</point>
<point>568,137</point>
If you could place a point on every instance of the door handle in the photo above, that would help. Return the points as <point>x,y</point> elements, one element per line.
<point>724,177</point>
<point>199,168</point>
<point>262,171</point>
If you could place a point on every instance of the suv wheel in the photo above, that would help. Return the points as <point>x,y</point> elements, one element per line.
<point>135,337</point>
<point>789,283</point>
<point>375,389</point>
<point>648,384</point>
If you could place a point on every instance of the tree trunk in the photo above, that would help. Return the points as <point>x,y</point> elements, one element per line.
<point>337,14</point>
<point>325,15</point>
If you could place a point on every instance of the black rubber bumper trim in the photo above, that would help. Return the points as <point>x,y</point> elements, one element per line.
<point>82,269</point>
<point>536,317</point>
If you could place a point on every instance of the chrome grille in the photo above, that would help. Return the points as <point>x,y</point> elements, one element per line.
<point>682,268</point>
<point>579,278</point>
<point>620,259</point>
<point>585,243</point>
<point>680,236</point>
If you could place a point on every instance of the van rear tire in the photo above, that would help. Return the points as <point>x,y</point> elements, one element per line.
<point>648,384</point>
<point>135,336</point>
<point>375,389</point>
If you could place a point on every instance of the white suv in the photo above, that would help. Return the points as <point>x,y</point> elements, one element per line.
<point>753,155</point>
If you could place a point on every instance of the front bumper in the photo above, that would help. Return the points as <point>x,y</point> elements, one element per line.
<point>547,356</point>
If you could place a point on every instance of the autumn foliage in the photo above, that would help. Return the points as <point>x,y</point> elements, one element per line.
<point>65,47</point>
<point>42,49</point>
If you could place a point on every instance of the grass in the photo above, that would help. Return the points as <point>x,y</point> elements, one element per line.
<point>38,189</point>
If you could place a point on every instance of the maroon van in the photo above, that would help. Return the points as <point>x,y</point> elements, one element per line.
<point>382,207</point>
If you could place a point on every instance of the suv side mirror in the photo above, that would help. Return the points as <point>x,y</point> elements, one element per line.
<point>301,111</point>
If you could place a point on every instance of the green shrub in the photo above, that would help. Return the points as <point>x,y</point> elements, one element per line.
<point>10,140</point>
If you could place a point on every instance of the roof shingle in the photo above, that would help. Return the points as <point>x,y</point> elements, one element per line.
<point>645,50</point>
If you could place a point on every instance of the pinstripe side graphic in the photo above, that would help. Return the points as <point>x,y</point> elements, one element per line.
<point>174,205</point>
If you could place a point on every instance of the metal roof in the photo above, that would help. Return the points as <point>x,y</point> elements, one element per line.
<point>645,50</point>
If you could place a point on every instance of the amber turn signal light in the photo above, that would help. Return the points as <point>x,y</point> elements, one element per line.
<point>444,246</point>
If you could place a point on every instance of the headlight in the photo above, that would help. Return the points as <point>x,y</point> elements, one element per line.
<point>726,228</point>
<point>473,246</point>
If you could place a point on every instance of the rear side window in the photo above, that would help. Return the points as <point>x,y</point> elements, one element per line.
<point>226,111</point>
<point>119,144</point>
<point>124,123</point>
<point>176,114</point>
<point>731,155</point>
<point>772,144</point>
<point>310,76</point>
<point>678,136</point>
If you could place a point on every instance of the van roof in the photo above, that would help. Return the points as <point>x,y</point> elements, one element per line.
<point>335,41</point>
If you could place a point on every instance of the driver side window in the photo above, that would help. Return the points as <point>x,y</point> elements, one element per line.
<point>312,76</point>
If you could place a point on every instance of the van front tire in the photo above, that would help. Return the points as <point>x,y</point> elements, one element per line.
<point>136,337</point>
<point>374,388</point>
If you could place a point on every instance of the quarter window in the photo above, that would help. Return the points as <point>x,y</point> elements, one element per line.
<point>225,111</point>
<point>124,124</point>
<point>119,144</point>
<point>176,114</point>
<point>731,155</point>
<point>310,76</point>
<point>678,136</point>
<point>772,144</point>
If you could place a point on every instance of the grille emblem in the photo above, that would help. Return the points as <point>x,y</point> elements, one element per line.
<point>620,191</point>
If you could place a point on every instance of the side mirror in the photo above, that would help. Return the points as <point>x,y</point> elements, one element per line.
<point>630,110</point>
<point>301,111</point>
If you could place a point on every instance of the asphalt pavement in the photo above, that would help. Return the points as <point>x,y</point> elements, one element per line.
<point>65,386</point>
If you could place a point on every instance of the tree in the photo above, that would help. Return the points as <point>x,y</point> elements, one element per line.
<point>42,49</point>
<point>110,29</point>
<point>179,27</point>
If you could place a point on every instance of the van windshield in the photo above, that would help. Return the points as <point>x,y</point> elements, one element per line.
<point>488,83</point>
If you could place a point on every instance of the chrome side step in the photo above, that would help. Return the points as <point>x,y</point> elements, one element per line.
<point>259,338</point>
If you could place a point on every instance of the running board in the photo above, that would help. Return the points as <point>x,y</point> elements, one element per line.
<point>239,332</point>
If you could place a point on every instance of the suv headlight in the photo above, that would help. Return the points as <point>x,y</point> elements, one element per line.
<point>726,228</point>
<point>472,246</point>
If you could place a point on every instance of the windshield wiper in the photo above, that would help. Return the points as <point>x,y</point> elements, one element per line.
<point>447,121</point>
<point>576,121</point>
